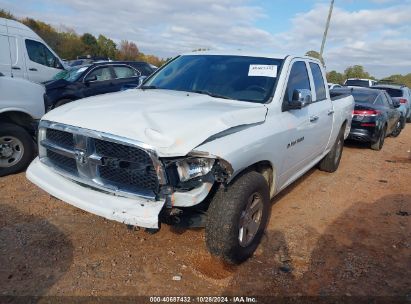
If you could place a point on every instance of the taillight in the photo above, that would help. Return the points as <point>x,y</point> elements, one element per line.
<point>366,112</point>
<point>403,100</point>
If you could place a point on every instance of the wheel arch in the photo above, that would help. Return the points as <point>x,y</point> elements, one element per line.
<point>266,169</point>
<point>18,117</point>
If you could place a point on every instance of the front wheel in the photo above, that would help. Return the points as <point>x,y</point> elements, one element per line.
<point>237,217</point>
<point>17,149</point>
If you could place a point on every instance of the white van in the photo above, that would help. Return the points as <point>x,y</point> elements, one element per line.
<point>24,54</point>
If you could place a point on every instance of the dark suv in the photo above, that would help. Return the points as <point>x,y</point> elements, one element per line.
<point>93,79</point>
<point>402,94</point>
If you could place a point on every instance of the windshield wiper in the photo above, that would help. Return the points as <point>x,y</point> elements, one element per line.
<point>210,94</point>
<point>149,87</point>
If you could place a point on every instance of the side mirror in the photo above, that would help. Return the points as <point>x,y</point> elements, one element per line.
<point>141,80</point>
<point>58,65</point>
<point>300,99</point>
<point>90,79</point>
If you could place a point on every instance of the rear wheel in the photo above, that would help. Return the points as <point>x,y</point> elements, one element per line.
<point>331,161</point>
<point>237,217</point>
<point>398,127</point>
<point>377,146</point>
<point>409,117</point>
<point>17,149</point>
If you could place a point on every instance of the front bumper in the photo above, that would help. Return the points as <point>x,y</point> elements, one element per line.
<point>137,212</point>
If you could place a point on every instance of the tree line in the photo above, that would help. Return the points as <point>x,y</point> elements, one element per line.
<point>69,45</point>
<point>358,71</point>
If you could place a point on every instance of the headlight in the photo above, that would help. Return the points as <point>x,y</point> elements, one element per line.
<point>194,167</point>
<point>41,136</point>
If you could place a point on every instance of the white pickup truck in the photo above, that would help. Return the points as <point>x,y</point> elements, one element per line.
<point>220,133</point>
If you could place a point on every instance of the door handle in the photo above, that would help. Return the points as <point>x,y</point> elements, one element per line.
<point>314,118</point>
<point>32,69</point>
<point>16,68</point>
<point>330,112</point>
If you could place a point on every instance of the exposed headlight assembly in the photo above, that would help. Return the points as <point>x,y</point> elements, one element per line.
<point>194,167</point>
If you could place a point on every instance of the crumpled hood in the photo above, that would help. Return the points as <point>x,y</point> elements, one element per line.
<point>172,122</point>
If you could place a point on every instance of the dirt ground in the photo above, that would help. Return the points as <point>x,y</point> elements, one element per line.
<point>347,233</point>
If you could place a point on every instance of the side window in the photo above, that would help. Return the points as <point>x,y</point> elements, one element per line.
<point>388,100</point>
<point>40,54</point>
<point>381,100</point>
<point>101,74</point>
<point>124,72</point>
<point>297,80</point>
<point>318,81</point>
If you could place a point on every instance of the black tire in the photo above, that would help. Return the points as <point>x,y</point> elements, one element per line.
<point>222,229</point>
<point>61,102</point>
<point>398,127</point>
<point>377,146</point>
<point>331,161</point>
<point>28,150</point>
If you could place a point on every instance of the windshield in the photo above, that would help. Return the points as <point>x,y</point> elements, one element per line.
<point>232,77</point>
<point>357,83</point>
<point>72,74</point>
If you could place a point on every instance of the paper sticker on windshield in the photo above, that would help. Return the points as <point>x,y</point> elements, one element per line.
<point>262,70</point>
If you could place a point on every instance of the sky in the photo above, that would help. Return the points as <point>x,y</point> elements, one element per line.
<point>372,33</point>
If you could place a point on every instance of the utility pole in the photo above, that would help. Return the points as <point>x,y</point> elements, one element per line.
<point>326,27</point>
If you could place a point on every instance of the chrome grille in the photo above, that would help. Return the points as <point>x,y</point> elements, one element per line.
<point>62,138</point>
<point>65,163</point>
<point>99,162</point>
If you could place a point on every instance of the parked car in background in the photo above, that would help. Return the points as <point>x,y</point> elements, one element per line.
<point>89,80</point>
<point>334,86</point>
<point>21,107</point>
<point>23,54</point>
<point>402,94</point>
<point>358,82</point>
<point>83,60</point>
<point>219,134</point>
<point>375,115</point>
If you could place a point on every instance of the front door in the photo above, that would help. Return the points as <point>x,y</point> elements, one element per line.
<point>99,81</point>
<point>299,135</point>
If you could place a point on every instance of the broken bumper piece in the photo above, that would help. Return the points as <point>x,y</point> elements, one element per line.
<point>131,211</point>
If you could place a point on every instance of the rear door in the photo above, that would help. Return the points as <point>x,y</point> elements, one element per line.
<point>320,111</point>
<point>392,112</point>
<point>99,80</point>
<point>125,76</point>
